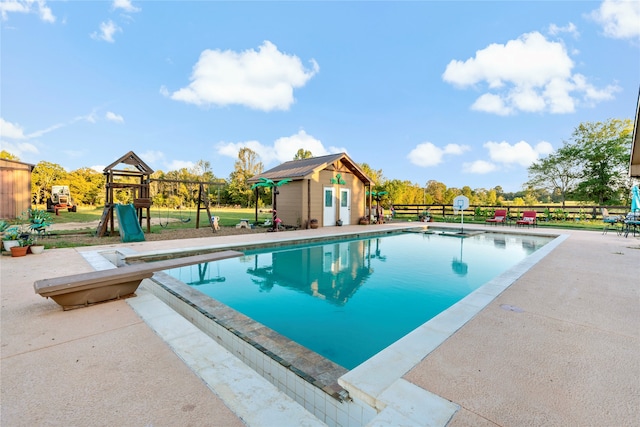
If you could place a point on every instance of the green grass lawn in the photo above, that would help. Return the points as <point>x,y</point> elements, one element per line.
<point>174,218</point>
<point>231,216</point>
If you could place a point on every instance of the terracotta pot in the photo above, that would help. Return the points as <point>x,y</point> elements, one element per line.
<point>313,223</point>
<point>17,251</point>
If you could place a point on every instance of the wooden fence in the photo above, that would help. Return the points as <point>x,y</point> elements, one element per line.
<point>543,212</point>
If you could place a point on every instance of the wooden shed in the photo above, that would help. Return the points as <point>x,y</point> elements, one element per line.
<point>329,188</point>
<point>15,188</point>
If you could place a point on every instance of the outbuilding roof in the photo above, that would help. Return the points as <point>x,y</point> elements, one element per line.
<point>303,168</point>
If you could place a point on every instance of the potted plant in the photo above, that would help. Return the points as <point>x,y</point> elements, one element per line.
<point>22,248</point>
<point>339,223</point>
<point>363,220</point>
<point>11,238</point>
<point>38,219</point>
<point>313,223</point>
<point>3,226</point>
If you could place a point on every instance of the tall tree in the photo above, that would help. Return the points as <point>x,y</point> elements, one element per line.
<point>603,149</point>
<point>202,171</point>
<point>375,175</point>
<point>437,190</point>
<point>87,186</point>
<point>44,175</point>
<point>247,166</point>
<point>302,154</point>
<point>559,171</point>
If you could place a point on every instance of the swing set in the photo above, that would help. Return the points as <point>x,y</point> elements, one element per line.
<point>202,197</point>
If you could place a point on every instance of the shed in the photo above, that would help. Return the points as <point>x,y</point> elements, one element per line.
<point>15,188</point>
<point>327,188</point>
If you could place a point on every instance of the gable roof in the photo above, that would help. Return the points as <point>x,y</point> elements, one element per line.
<point>300,169</point>
<point>133,160</point>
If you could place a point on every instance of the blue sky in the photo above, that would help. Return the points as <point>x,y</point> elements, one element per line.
<point>466,93</point>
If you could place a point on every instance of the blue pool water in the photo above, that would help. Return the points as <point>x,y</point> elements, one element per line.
<point>347,300</point>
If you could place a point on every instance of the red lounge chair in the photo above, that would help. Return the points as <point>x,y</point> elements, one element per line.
<point>499,217</point>
<point>528,219</point>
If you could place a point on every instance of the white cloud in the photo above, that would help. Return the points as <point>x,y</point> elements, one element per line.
<point>521,153</point>
<point>571,29</point>
<point>620,19</point>
<point>113,117</point>
<point>231,149</point>
<point>262,80</point>
<point>152,156</point>
<point>18,149</point>
<point>175,165</point>
<point>98,168</point>
<point>10,130</point>
<point>490,103</point>
<point>283,149</point>
<point>479,167</point>
<point>107,31</point>
<point>124,5</point>
<point>427,154</point>
<point>27,6</point>
<point>455,149</point>
<point>530,74</point>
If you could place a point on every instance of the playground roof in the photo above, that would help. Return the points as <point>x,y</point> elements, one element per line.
<point>131,159</point>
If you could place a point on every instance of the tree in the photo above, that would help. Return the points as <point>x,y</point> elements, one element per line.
<point>559,171</point>
<point>202,171</point>
<point>603,151</point>
<point>302,154</point>
<point>245,167</point>
<point>86,186</point>
<point>376,175</point>
<point>44,175</point>
<point>437,190</point>
<point>4,154</point>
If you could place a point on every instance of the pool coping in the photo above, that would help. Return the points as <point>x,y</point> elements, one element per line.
<point>392,363</point>
<point>378,382</point>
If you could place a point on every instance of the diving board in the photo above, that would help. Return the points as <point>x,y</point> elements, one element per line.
<point>81,290</point>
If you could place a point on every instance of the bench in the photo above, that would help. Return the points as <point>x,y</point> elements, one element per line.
<point>81,290</point>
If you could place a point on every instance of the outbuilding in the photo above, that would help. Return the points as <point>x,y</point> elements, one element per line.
<point>15,188</point>
<point>331,189</point>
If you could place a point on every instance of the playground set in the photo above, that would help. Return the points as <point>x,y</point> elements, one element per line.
<point>130,216</point>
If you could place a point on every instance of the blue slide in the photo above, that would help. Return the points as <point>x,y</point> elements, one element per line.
<point>130,230</point>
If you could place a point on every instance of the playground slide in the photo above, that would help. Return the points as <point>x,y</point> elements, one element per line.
<point>130,230</point>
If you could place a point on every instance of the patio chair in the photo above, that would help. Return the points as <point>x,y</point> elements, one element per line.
<point>528,219</point>
<point>609,220</point>
<point>499,217</point>
<point>631,224</point>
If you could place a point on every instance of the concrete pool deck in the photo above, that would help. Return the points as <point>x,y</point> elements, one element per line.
<point>559,346</point>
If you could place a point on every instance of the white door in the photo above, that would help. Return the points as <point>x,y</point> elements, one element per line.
<point>345,206</point>
<point>329,213</point>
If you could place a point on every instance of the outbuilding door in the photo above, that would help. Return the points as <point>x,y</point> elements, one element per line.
<point>329,212</point>
<point>345,206</point>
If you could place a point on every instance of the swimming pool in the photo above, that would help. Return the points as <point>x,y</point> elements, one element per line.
<point>347,300</point>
